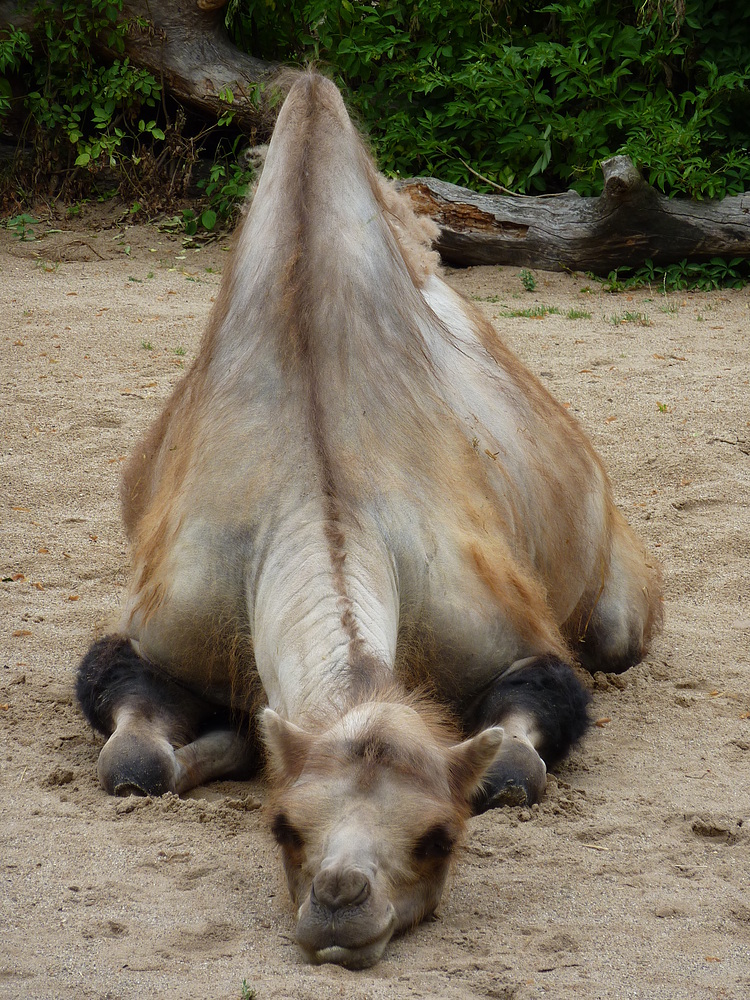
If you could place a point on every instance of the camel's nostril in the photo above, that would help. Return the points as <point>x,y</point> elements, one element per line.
<point>335,888</point>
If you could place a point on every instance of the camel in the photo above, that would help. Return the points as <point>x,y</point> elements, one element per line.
<point>369,551</point>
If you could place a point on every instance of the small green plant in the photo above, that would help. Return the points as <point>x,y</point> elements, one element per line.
<point>637,318</point>
<point>225,189</point>
<point>527,280</point>
<point>23,226</point>
<point>577,314</point>
<point>179,351</point>
<point>191,221</point>
<point>714,273</point>
<point>247,992</point>
<point>612,283</point>
<point>50,266</point>
<point>147,345</point>
<point>662,407</point>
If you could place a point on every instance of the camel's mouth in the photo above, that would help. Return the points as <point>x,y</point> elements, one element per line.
<point>352,956</point>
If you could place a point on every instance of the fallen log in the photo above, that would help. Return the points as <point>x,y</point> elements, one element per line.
<point>185,45</point>
<point>629,223</point>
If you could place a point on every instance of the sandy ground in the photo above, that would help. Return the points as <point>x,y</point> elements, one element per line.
<point>630,880</point>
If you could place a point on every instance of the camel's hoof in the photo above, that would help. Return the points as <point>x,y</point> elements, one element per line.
<point>131,764</point>
<point>518,777</point>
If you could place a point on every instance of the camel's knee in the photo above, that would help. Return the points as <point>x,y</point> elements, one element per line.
<point>137,761</point>
<point>146,715</point>
<point>112,676</point>
<point>613,639</point>
<point>542,706</point>
<point>141,711</point>
<point>517,777</point>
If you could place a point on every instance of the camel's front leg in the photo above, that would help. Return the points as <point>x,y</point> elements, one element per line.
<point>161,736</point>
<point>541,705</point>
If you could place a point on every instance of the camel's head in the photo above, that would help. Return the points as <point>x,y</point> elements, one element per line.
<point>367,814</point>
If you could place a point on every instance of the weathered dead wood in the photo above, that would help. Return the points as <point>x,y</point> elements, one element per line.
<point>185,45</point>
<point>629,223</point>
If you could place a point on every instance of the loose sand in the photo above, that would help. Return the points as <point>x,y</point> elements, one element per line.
<point>630,880</point>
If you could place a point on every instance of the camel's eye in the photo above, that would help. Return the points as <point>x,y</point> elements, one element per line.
<point>286,835</point>
<point>434,845</point>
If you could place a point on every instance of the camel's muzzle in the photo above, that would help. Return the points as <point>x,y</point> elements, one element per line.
<point>344,919</point>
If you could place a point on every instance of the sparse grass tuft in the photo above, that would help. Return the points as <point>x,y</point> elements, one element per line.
<point>534,312</point>
<point>636,318</point>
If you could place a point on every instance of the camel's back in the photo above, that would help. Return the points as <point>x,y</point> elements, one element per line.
<point>341,380</point>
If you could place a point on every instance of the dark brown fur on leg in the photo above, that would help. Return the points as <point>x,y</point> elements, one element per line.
<point>146,715</point>
<point>543,707</point>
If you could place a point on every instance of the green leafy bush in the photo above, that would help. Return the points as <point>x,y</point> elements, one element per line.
<point>227,184</point>
<point>531,96</point>
<point>78,110</point>
<point>15,51</point>
<point>705,277</point>
<point>86,114</point>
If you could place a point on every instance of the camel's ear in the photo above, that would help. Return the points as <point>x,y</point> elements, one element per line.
<point>287,746</point>
<point>468,762</point>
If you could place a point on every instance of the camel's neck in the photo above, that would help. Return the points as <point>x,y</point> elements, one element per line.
<point>324,612</point>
